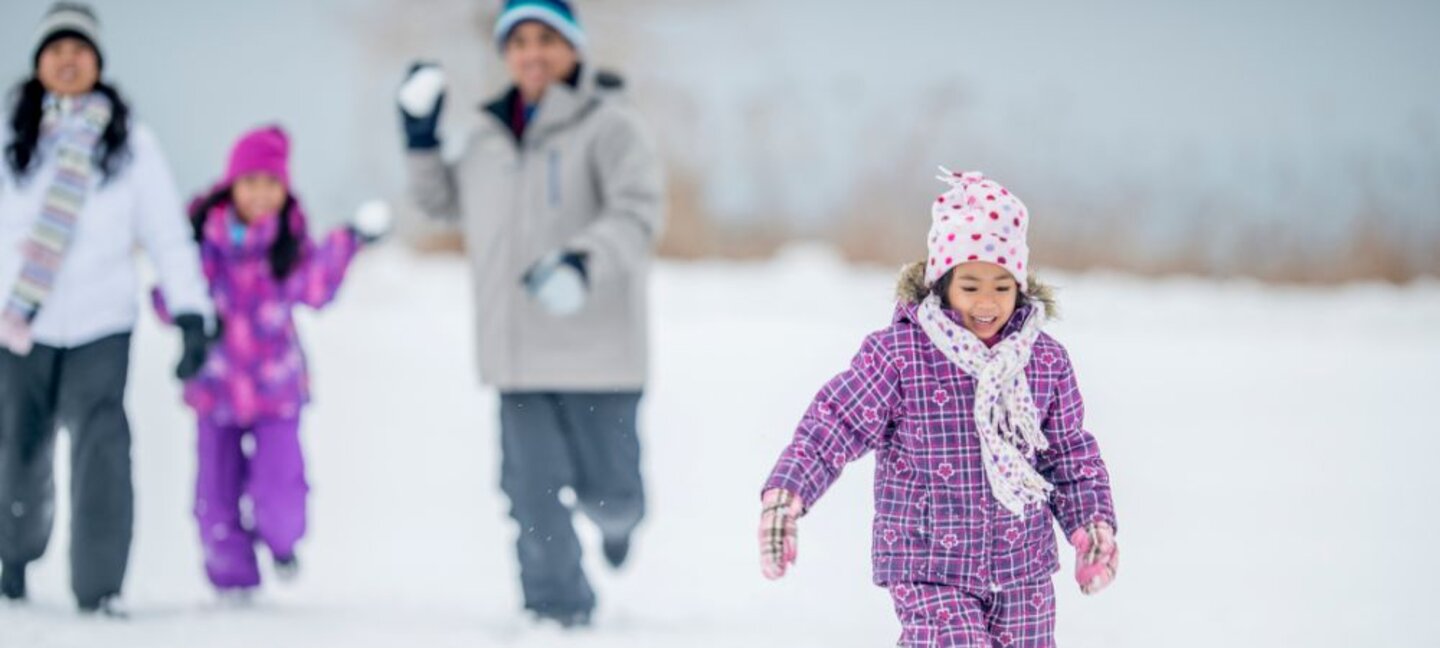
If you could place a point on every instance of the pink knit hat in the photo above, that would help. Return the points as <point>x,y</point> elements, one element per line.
<point>263,150</point>
<point>977,220</point>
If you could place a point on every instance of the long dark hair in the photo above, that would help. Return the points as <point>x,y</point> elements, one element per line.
<point>29,102</point>
<point>284,252</point>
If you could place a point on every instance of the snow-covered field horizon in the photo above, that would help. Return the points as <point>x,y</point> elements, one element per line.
<point>1271,450</point>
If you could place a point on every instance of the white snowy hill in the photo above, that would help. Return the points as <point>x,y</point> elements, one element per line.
<point>1272,451</point>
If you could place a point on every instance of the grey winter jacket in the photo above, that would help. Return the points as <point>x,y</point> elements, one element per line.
<point>585,177</point>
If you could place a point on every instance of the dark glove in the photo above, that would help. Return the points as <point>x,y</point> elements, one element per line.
<point>197,345</point>
<point>419,112</point>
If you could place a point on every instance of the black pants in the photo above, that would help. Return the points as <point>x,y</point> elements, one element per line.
<point>82,389</point>
<point>584,441</point>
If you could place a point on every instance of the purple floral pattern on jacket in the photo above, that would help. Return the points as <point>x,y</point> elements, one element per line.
<point>935,519</point>
<point>256,371</point>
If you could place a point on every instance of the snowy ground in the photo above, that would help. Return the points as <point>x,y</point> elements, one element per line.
<point>1271,449</point>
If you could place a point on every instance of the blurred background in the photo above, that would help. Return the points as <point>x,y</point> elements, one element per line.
<point>1293,140</point>
<point>1239,201</point>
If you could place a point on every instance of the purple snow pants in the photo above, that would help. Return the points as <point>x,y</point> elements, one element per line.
<point>242,497</point>
<point>942,615</point>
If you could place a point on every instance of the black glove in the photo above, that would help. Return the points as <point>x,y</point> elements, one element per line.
<point>197,345</point>
<point>420,130</point>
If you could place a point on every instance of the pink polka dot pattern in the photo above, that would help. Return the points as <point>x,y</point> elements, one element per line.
<point>977,220</point>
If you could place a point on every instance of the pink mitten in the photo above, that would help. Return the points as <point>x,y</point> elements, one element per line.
<point>777,531</point>
<point>1096,556</point>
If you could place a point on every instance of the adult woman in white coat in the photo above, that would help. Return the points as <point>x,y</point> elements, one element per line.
<point>81,185</point>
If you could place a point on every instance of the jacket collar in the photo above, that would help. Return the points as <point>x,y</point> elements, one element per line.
<point>563,104</point>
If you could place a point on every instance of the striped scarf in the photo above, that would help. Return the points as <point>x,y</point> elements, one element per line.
<point>1005,413</point>
<point>74,126</point>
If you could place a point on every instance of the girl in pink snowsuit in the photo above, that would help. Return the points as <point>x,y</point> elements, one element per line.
<point>260,263</point>
<point>977,424</point>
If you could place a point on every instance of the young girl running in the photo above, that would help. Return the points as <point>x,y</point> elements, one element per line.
<point>977,424</point>
<point>261,264</point>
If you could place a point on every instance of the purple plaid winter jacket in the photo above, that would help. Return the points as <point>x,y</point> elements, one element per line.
<point>935,520</point>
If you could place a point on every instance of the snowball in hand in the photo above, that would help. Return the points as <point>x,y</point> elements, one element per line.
<point>373,219</point>
<point>556,285</point>
<point>562,292</point>
<point>421,90</point>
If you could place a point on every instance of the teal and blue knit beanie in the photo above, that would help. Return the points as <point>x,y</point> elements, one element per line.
<point>556,14</point>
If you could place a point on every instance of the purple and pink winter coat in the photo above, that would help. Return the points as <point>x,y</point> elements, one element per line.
<point>935,520</point>
<point>256,371</point>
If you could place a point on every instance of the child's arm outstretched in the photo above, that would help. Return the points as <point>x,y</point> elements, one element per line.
<point>321,268</point>
<point>1082,500</point>
<point>851,415</point>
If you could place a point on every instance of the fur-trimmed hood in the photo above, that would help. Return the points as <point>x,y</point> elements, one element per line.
<point>911,289</point>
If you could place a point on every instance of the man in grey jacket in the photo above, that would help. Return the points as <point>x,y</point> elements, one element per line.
<point>560,198</point>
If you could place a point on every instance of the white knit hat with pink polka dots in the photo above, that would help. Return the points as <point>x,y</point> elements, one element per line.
<point>977,220</point>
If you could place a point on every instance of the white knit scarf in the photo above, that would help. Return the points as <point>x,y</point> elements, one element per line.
<point>1005,413</point>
